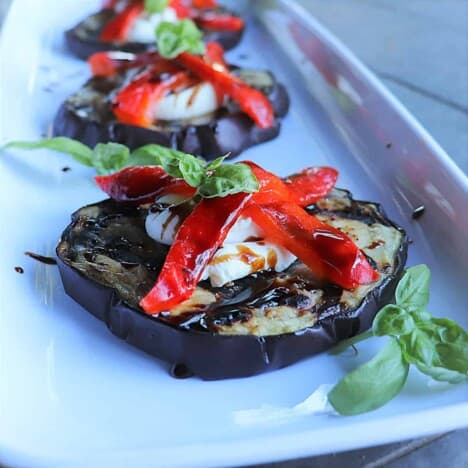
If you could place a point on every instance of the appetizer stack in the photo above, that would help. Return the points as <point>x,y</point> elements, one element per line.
<point>128,25</point>
<point>233,278</point>
<point>224,270</point>
<point>177,90</point>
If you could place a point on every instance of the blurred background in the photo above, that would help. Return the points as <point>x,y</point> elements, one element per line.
<point>419,49</point>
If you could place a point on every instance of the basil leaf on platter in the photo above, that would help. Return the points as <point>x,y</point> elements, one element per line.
<point>393,320</point>
<point>373,384</point>
<point>109,157</point>
<point>413,289</point>
<point>78,151</point>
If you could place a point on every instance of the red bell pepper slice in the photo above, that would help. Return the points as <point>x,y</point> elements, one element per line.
<point>136,103</point>
<point>194,246</point>
<point>328,252</point>
<point>311,184</point>
<point>118,28</point>
<point>219,21</point>
<point>110,63</point>
<point>253,102</point>
<point>325,250</point>
<point>142,184</point>
<point>214,55</point>
<point>182,8</point>
<point>202,4</point>
<point>304,188</point>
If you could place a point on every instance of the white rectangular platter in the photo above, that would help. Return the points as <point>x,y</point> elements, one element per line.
<point>73,394</point>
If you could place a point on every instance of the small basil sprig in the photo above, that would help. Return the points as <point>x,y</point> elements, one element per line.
<point>214,179</point>
<point>437,347</point>
<point>155,6</point>
<point>175,38</point>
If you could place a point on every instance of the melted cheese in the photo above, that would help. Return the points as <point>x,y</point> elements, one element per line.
<point>192,102</point>
<point>237,258</point>
<point>144,28</point>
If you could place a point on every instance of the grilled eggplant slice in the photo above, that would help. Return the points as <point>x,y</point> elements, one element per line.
<point>256,324</point>
<point>87,116</point>
<point>83,39</point>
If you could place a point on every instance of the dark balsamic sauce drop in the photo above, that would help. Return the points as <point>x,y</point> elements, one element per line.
<point>41,258</point>
<point>418,212</point>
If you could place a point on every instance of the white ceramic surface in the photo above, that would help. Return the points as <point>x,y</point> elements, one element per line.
<point>71,393</point>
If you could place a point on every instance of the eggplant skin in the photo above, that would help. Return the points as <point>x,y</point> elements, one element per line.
<point>83,39</point>
<point>86,116</point>
<point>131,264</point>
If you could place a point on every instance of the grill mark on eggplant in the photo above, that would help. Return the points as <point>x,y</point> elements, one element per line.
<point>83,39</point>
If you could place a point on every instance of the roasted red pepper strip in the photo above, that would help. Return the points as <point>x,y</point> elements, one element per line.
<point>201,4</point>
<point>118,28</point>
<point>254,103</point>
<point>218,21</point>
<point>182,8</point>
<point>142,184</point>
<point>325,250</point>
<point>110,63</point>
<point>195,244</point>
<point>329,253</point>
<point>303,188</point>
<point>214,55</point>
<point>136,103</point>
<point>311,184</point>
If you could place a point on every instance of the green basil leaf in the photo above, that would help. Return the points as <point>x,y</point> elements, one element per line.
<point>418,347</point>
<point>412,291</point>
<point>109,157</point>
<point>454,357</point>
<point>229,179</point>
<point>175,163</point>
<point>442,374</point>
<point>420,315</point>
<point>156,155</point>
<point>192,170</point>
<point>175,38</point>
<point>155,6</point>
<point>373,384</point>
<point>75,149</point>
<point>447,330</point>
<point>141,157</point>
<point>393,320</point>
<point>438,348</point>
<point>216,163</point>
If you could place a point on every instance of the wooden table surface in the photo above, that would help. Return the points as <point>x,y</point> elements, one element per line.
<point>419,49</point>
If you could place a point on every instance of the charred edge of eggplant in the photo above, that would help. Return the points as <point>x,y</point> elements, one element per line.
<point>228,132</point>
<point>83,39</point>
<point>213,356</point>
